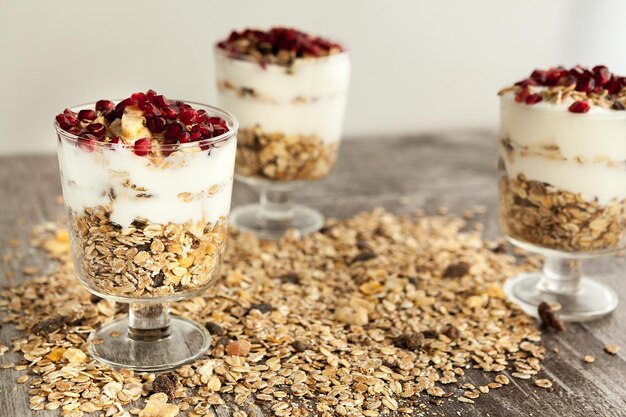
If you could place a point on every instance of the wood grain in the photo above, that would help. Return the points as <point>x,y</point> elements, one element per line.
<point>401,174</point>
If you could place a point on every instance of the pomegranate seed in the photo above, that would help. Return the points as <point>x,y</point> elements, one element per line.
<point>218,131</point>
<point>170,112</point>
<point>554,75</point>
<point>184,137</point>
<point>187,116</point>
<point>174,130</point>
<point>116,139</point>
<point>567,80</point>
<point>195,136</point>
<point>161,101</point>
<point>87,142</point>
<point>103,105</point>
<point>68,112</point>
<point>97,129</point>
<point>519,97</point>
<point>526,82</point>
<point>150,110</point>
<point>87,114</point>
<point>156,124</point>
<point>139,98</point>
<point>579,107</point>
<point>601,74</point>
<point>206,131</point>
<point>119,109</point>
<point>539,76</point>
<point>585,84</point>
<point>201,116</point>
<point>75,130</point>
<point>613,87</point>
<point>151,94</point>
<point>65,121</point>
<point>534,99</point>
<point>142,146</point>
<point>217,121</point>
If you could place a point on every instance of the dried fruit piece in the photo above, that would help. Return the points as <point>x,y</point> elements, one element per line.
<point>166,383</point>
<point>262,307</point>
<point>48,326</point>
<point>238,348</point>
<point>363,256</point>
<point>214,328</point>
<point>409,341</point>
<point>290,278</point>
<point>300,346</point>
<point>452,332</point>
<point>456,270</point>
<point>549,318</point>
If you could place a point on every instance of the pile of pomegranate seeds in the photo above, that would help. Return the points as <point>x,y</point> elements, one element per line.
<point>165,122</point>
<point>277,46</point>
<point>597,85</point>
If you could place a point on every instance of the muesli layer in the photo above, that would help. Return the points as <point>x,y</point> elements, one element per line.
<point>540,214</point>
<point>277,156</point>
<point>145,259</point>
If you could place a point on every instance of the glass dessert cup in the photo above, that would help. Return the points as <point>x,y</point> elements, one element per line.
<point>561,196</point>
<point>291,119</point>
<point>148,231</point>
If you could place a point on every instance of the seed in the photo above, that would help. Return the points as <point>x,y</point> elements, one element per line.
<point>579,107</point>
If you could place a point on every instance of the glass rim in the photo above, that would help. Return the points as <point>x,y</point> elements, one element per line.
<point>70,137</point>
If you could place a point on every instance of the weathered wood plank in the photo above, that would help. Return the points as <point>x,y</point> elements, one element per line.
<point>400,174</point>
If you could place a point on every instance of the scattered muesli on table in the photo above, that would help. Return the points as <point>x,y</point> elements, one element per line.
<point>282,340</point>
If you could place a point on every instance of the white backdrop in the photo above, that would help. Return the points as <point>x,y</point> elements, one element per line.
<point>418,66</point>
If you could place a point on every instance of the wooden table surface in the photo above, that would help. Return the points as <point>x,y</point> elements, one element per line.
<point>456,170</point>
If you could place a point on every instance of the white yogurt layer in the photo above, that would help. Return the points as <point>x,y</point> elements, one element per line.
<point>90,178</point>
<point>585,141</point>
<point>310,99</point>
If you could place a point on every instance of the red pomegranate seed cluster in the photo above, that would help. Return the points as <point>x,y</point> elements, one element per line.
<point>278,45</point>
<point>168,122</point>
<point>597,85</point>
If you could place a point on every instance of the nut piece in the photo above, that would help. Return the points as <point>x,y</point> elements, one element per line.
<point>157,406</point>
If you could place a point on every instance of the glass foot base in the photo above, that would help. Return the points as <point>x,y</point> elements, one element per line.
<point>111,345</point>
<point>593,299</point>
<point>248,219</point>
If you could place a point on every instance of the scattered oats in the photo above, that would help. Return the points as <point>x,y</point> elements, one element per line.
<point>543,383</point>
<point>22,379</point>
<point>589,359</point>
<point>611,349</point>
<point>157,406</point>
<point>465,400</point>
<point>74,355</point>
<point>3,349</point>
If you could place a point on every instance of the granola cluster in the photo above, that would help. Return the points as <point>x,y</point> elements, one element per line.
<point>374,315</point>
<point>145,259</point>
<point>540,214</point>
<point>278,45</point>
<point>281,157</point>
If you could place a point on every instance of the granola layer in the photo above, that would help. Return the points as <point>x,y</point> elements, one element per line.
<point>543,215</point>
<point>146,259</point>
<point>277,156</point>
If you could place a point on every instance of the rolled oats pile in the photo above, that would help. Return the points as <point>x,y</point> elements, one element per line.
<point>277,156</point>
<point>375,315</point>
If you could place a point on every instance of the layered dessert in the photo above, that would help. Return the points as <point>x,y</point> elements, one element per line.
<point>147,185</point>
<point>288,90</point>
<point>563,150</point>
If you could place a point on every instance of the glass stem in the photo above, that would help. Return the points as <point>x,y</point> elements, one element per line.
<point>276,207</point>
<point>561,276</point>
<point>148,322</point>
